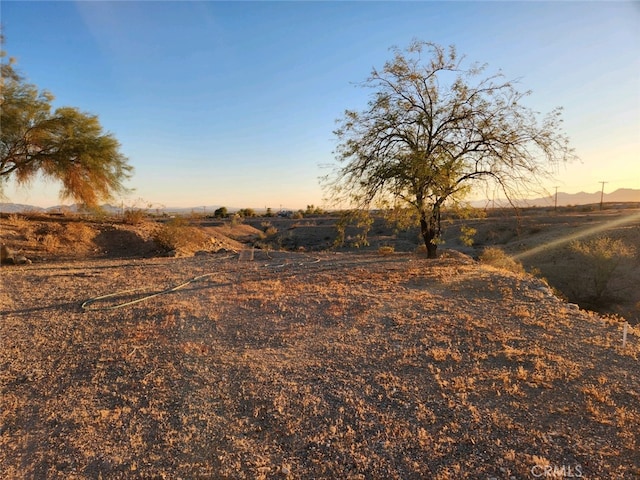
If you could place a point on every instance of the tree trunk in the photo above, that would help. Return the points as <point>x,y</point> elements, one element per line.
<point>429,234</point>
<point>430,228</point>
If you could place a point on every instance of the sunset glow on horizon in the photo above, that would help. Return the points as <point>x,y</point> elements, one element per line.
<point>222,103</point>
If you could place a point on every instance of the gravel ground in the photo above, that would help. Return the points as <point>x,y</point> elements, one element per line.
<point>294,365</point>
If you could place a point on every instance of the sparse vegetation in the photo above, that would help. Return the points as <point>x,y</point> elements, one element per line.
<point>361,220</point>
<point>269,230</point>
<point>134,216</point>
<point>18,221</point>
<point>178,236</point>
<point>601,256</point>
<point>246,212</point>
<point>50,242</point>
<point>221,212</point>
<point>78,233</point>
<point>313,210</point>
<point>396,339</point>
<point>386,250</point>
<point>268,238</point>
<point>496,257</point>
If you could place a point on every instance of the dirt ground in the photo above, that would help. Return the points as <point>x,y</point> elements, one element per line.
<point>258,364</point>
<point>540,238</point>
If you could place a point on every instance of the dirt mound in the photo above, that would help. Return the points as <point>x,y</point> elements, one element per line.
<point>125,241</point>
<point>43,238</point>
<point>231,238</point>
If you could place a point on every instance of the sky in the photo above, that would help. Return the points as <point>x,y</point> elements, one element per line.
<point>235,103</point>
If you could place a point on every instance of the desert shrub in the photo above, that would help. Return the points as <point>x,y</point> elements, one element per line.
<point>269,234</point>
<point>17,221</point>
<point>78,232</point>
<point>313,210</point>
<point>49,235</point>
<point>177,234</point>
<point>362,221</point>
<point>236,219</point>
<point>50,242</point>
<point>271,231</point>
<point>496,257</point>
<point>171,235</point>
<point>22,225</point>
<point>247,212</point>
<point>601,256</point>
<point>221,212</point>
<point>134,216</point>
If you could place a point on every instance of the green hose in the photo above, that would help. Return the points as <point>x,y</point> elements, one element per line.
<point>86,305</point>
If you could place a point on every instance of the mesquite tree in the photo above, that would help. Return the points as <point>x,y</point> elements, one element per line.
<point>433,128</point>
<point>64,144</point>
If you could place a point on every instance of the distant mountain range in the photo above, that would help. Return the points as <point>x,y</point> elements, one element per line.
<point>621,195</point>
<point>112,209</point>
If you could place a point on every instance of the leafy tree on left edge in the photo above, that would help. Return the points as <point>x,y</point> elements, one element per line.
<point>65,145</point>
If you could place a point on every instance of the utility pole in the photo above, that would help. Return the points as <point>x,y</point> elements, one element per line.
<point>602,194</point>
<point>555,203</point>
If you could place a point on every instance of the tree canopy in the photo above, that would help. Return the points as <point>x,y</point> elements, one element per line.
<point>65,144</point>
<point>434,128</point>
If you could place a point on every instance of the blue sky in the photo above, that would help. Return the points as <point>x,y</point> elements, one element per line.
<point>234,103</point>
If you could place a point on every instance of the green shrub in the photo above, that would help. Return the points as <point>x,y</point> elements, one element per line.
<point>221,212</point>
<point>466,235</point>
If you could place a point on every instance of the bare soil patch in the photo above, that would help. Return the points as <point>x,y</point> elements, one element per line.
<point>308,365</point>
